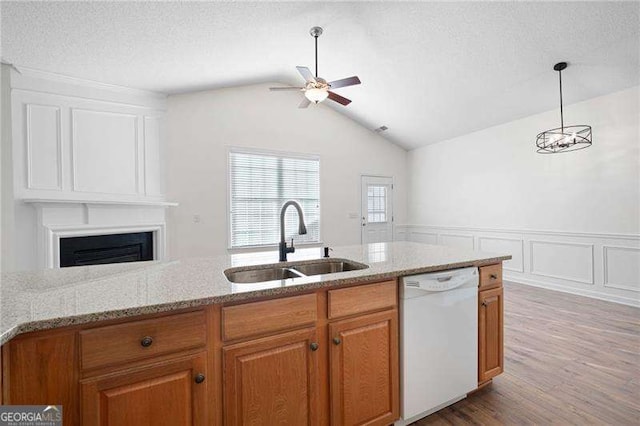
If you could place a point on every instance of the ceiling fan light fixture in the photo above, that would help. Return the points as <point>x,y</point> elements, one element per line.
<point>316,95</point>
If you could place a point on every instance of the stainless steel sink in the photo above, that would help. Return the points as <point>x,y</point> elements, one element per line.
<point>277,271</point>
<point>329,267</point>
<point>261,275</point>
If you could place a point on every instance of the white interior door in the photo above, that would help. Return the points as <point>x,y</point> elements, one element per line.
<point>377,209</point>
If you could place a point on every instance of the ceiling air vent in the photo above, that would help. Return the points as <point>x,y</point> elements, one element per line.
<point>381,129</point>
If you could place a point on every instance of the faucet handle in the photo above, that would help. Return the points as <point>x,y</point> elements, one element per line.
<point>292,249</point>
<point>326,251</point>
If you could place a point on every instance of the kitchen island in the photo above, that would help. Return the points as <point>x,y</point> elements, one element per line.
<point>179,343</point>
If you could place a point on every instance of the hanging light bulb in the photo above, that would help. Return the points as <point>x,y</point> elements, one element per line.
<point>316,95</point>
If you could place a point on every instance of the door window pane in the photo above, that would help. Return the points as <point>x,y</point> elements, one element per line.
<point>377,203</point>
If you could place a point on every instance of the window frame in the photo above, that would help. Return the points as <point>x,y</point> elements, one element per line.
<point>276,153</point>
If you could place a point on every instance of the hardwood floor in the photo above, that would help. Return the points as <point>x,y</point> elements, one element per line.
<point>568,360</point>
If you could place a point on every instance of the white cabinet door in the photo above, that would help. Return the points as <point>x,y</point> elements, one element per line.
<point>377,209</point>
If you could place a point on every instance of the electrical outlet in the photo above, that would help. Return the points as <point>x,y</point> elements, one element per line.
<point>353,215</point>
<point>196,218</point>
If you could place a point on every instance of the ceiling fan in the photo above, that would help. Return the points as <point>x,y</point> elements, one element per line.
<point>317,89</point>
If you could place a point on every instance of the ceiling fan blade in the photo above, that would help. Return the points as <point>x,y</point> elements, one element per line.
<point>305,103</point>
<point>339,99</point>
<point>351,81</point>
<point>306,73</point>
<point>276,89</point>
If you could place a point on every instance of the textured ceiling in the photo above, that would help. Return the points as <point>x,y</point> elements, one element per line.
<point>430,71</point>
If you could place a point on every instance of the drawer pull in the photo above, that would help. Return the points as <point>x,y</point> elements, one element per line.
<point>336,341</point>
<point>493,276</point>
<point>314,346</point>
<point>146,341</point>
<point>199,378</point>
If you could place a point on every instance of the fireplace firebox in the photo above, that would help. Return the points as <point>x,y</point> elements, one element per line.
<point>101,249</point>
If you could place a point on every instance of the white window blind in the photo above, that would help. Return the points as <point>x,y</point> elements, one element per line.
<point>260,184</point>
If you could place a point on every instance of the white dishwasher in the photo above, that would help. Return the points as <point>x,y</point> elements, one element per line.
<point>438,340</point>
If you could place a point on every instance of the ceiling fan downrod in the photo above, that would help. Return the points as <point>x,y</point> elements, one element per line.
<point>315,33</point>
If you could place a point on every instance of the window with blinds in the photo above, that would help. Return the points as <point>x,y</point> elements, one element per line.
<point>259,185</point>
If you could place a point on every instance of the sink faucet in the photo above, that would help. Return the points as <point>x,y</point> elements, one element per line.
<point>302,229</point>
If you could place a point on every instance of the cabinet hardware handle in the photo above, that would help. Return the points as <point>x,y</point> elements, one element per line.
<point>336,341</point>
<point>314,346</point>
<point>146,341</point>
<point>484,303</point>
<point>199,378</point>
<point>493,276</point>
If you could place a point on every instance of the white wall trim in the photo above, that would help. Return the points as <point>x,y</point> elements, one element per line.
<point>591,259</point>
<point>31,79</point>
<point>635,237</point>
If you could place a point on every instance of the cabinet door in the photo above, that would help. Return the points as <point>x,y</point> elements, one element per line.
<point>364,370</point>
<point>490,334</point>
<point>272,381</point>
<point>41,370</point>
<point>172,394</point>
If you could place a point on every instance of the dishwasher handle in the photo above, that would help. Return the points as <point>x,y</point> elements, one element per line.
<point>442,282</point>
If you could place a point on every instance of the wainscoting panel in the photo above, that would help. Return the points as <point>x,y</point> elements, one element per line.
<point>622,268</point>
<point>600,265</point>
<point>562,260</point>
<point>513,246</point>
<point>453,240</point>
<point>44,150</point>
<point>152,156</point>
<point>80,140</point>
<point>105,152</point>
<point>423,237</point>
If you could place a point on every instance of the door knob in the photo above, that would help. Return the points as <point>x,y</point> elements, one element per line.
<point>314,346</point>
<point>336,341</point>
<point>199,378</point>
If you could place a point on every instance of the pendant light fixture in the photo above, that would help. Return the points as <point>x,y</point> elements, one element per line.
<point>563,138</point>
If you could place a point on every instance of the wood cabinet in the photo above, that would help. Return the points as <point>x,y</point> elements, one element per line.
<point>42,370</point>
<point>273,380</point>
<point>172,393</point>
<point>325,357</point>
<point>364,370</point>
<point>490,334</point>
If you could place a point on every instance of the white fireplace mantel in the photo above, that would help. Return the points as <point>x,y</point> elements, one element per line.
<point>57,219</point>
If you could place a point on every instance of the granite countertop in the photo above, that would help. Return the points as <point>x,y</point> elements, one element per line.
<point>53,298</point>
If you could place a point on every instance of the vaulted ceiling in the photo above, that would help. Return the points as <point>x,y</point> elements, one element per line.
<point>430,71</point>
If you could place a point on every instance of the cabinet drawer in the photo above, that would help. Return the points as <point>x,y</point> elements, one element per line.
<point>141,339</point>
<point>258,318</point>
<point>490,276</point>
<point>363,298</point>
